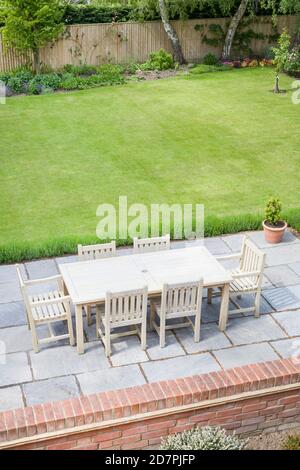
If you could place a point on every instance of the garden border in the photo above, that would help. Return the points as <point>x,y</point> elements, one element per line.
<point>253,398</point>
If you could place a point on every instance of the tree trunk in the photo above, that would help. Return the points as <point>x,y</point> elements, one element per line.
<point>232,29</point>
<point>277,89</point>
<point>36,61</point>
<point>172,35</point>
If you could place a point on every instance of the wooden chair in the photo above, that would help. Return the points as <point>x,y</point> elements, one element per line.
<point>122,309</point>
<point>247,277</point>
<point>46,308</point>
<point>143,245</point>
<point>90,252</point>
<point>103,250</point>
<point>178,300</point>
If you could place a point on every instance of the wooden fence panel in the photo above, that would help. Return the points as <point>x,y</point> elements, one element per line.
<point>131,42</point>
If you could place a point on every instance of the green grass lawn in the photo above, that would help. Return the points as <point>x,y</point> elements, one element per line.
<point>222,139</point>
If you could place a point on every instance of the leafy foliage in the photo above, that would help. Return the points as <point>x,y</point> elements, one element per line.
<point>210,59</point>
<point>285,58</point>
<point>206,438</point>
<point>292,443</point>
<point>160,60</point>
<point>273,211</point>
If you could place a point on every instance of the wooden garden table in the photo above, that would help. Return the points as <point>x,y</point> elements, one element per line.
<point>88,281</point>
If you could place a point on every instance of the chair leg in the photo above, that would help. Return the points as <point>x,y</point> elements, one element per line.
<point>70,328</point>
<point>152,315</point>
<point>197,327</point>
<point>209,295</point>
<point>257,304</point>
<point>107,341</point>
<point>144,334</point>
<point>35,341</point>
<point>89,315</point>
<point>98,317</point>
<point>162,332</point>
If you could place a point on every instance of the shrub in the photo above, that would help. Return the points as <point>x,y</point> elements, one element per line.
<point>210,59</point>
<point>206,438</point>
<point>285,58</point>
<point>273,211</point>
<point>160,60</point>
<point>202,68</point>
<point>111,72</point>
<point>46,81</point>
<point>292,443</point>
<point>80,69</point>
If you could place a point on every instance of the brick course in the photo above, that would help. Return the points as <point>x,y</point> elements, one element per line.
<point>101,416</point>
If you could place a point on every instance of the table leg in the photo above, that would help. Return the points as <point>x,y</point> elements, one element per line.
<point>224,307</point>
<point>79,329</point>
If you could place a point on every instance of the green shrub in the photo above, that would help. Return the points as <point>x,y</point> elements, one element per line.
<point>206,438</point>
<point>44,81</point>
<point>273,211</point>
<point>292,443</point>
<point>160,60</point>
<point>80,69</point>
<point>210,59</point>
<point>111,71</point>
<point>132,68</point>
<point>69,82</point>
<point>285,58</point>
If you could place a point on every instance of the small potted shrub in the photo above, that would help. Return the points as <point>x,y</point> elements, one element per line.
<point>274,227</point>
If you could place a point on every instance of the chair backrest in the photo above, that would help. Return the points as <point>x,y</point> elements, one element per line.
<point>89,252</point>
<point>252,258</point>
<point>182,298</point>
<point>143,245</point>
<point>23,290</point>
<point>123,308</point>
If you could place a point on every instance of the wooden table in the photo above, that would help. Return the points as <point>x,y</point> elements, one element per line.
<point>88,281</point>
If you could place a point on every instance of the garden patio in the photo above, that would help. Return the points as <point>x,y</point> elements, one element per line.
<point>57,372</point>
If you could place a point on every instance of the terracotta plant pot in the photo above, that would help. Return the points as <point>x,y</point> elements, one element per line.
<point>274,234</point>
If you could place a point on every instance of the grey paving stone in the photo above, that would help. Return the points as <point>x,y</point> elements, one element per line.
<point>259,239</point>
<point>11,398</point>
<point>210,338</point>
<point>12,314</point>
<point>283,254</point>
<point>288,348</point>
<point>8,273</point>
<point>111,379</point>
<point>282,277</point>
<point>234,242</point>
<point>216,246</point>
<point>127,350</point>
<point>243,355</point>
<point>16,338</point>
<point>290,321</point>
<point>64,360</point>
<point>10,292</point>
<point>66,259</point>
<point>43,391</point>
<point>252,330</point>
<point>171,349</point>
<point>283,298</point>
<point>14,369</point>
<point>247,300</point>
<point>180,367</point>
<point>211,312</point>
<point>41,269</point>
<point>295,267</point>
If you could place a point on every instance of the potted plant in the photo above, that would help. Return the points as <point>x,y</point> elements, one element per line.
<point>274,227</point>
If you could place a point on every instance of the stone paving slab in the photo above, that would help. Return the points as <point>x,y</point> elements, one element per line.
<point>66,259</point>
<point>289,321</point>
<point>12,314</point>
<point>283,298</point>
<point>259,239</point>
<point>282,277</point>
<point>10,292</point>
<point>111,379</point>
<point>283,254</point>
<point>247,300</point>
<point>253,330</point>
<point>43,391</point>
<point>14,369</point>
<point>11,398</point>
<point>243,355</point>
<point>234,242</point>
<point>210,338</point>
<point>172,349</point>
<point>41,269</point>
<point>8,273</point>
<point>295,267</point>
<point>127,350</point>
<point>217,246</point>
<point>288,348</point>
<point>16,338</point>
<point>180,367</point>
<point>64,360</point>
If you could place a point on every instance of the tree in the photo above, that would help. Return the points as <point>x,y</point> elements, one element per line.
<point>172,35</point>
<point>234,23</point>
<point>31,24</point>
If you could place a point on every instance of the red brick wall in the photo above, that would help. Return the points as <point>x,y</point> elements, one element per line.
<point>269,408</point>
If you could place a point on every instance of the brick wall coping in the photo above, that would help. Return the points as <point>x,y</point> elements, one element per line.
<point>105,409</point>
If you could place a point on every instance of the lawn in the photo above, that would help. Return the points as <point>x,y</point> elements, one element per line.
<point>221,139</point>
